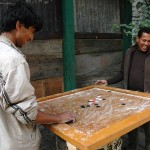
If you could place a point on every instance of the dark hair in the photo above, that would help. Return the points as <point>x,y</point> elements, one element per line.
<point>143,30</point>
<point>20,12</point>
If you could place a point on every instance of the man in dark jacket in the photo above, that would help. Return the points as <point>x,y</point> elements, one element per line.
<point>135,72</point>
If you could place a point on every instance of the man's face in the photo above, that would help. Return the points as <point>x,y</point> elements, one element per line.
<point>24,35</point>
<point>143,42</point>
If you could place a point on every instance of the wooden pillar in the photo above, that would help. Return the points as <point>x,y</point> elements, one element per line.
<point>68,45</point>
<point>127,18</point>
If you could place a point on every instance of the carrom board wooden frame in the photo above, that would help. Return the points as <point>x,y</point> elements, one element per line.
<point>105,135</point>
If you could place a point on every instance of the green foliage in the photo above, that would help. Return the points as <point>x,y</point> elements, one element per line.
<point>143,9</point>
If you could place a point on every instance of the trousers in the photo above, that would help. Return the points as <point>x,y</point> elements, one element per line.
<point>133,137</point>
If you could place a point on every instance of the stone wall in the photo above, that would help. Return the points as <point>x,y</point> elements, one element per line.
<point>135,12</point>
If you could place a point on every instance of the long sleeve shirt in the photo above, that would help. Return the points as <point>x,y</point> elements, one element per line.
<point>18,106</point>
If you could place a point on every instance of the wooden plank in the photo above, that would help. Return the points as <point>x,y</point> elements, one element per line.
<point>39,88</point>
<point>98,35</point>
<point>89,46</point>
<point>48,86</point>
<point>101,66</point>
<point>53,85</point>
<point>46,69</point>
<point>96,16</point>
<point>43,50</point>
<point>97,137</point>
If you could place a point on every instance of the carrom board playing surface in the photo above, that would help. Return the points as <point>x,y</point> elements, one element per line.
<point>103,114</point>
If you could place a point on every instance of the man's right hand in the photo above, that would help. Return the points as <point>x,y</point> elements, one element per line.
<point>101,82</point>
<point>45,118</point>
<point>67,117</point>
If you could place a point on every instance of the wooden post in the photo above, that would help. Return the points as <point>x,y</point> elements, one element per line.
<point>68,45</point>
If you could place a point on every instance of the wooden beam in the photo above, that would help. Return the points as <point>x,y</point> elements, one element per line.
<point>98,35</point>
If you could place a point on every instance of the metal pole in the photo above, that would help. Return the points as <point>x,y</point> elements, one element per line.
<point>68,45</point>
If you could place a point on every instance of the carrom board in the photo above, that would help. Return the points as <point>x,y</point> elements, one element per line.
<point>112,113</point>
